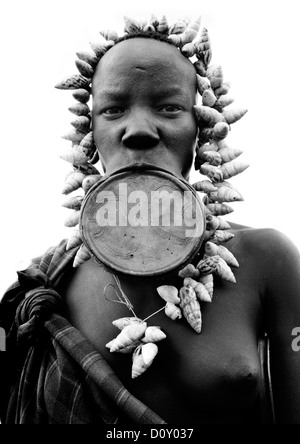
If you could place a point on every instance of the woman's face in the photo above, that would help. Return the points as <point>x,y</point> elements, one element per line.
<point>144,92</point>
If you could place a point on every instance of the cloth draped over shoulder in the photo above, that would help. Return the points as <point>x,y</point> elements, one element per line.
<point>50,373</point>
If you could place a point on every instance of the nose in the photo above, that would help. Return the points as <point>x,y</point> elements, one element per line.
<point>140,132</point>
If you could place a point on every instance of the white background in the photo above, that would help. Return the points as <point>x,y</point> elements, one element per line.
<point>256,42</point>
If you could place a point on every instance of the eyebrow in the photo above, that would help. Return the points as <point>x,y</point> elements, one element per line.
<point>169,91</point>
<point>123,95</point>
<point>113,94</point>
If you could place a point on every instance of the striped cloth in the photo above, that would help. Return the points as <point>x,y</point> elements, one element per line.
<point>50,373</point>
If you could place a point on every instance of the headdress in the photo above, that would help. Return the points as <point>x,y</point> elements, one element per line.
<point>214,158</point>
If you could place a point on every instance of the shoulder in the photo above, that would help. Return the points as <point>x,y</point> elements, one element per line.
<point>266,251</point>
<point>273,257</point>
<point>264,241</point>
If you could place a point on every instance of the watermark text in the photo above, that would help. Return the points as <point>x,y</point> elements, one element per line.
<point>155,208</point>
<point>296,341</point>
<point>2,339</point>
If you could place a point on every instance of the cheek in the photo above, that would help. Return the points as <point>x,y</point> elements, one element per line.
<point>187,140</point>
<point>102,143</point>
<point>186,135</point>
<point>104,138</point>
<point>101,132</point>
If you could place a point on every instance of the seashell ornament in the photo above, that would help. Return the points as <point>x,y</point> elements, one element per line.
<point>172,311</point>
<point>215,264</point>
<point>208,281</point>
<point>89,181</point>
<point>190,307</point>
<point>131,25</point>
<point>178,28</point>
<point>163,26</point>
<point>82,256</point>
<point>209,116</point>
<point>79,109</point>
<point>88,57</point>
<point>75,240</point>
<point>73,182</point>
<point>175,39</point>
<point>84,68</point>
<point>74,82</point>
<point>214,173</point>
<point>123,322</point>
<point>227,153</point>
<point>206,186</point>
<point>212,249</point>
<point>73,203</point>
<point>82,95</point>
<point>109,34</point>
<point>216,223</point>
<point>191,31</point>
<point>142,358</point>
<point>168,293</point>
<point>81,123</point>
<point>215,76</point>
<point>232,168</point>
<point>200,290</point>
<point>73,219</point>
<point>128,335</point>
<point>212,157</point>
<point>208,98</point>
<point>219,209</point>
<point>125,350</point>
<point>200,67</point>
<point>74,156</point>
<point>204,52</point>
<point>225,194</point>
<point>220,236</point>
<point>202,84</point>
<point>153,334</point>
<point>188,271</point>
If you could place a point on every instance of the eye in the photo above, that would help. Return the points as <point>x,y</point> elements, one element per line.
<point>113,111</point>
<point>170,108</point>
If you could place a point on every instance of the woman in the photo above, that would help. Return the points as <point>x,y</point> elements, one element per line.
<point>144,93</point>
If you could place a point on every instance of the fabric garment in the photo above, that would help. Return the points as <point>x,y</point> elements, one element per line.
<point>51,373</point>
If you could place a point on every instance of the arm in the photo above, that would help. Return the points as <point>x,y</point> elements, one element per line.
<point>281,303</point>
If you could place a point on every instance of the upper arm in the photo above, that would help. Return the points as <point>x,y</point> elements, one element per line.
<point>281,302</point>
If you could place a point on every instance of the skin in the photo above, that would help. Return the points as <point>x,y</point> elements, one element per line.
<point>143,106</point>
<point>212,377</point>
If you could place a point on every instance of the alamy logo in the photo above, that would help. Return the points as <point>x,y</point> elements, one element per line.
<point>157,208</point>
<point>2,339</point>
<point>296,341</point>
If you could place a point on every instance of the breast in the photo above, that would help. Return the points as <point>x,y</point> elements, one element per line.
<point>216,375</point>
<point>197,378</point>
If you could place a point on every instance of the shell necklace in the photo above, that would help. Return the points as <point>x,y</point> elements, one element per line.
<point>215,159</point>
<point>136,336</point>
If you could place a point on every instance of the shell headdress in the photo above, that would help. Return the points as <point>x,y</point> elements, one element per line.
<point>214,159</point>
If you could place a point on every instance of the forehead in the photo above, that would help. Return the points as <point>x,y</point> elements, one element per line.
<point>144,61</point>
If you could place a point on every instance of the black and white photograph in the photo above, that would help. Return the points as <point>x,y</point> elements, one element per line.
<point>150,266</point>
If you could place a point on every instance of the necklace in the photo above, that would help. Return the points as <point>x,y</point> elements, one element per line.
<point>214,159</point>
<point>136,336</point>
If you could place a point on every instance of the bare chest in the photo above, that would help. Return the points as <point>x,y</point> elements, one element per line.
<point>193,375</point>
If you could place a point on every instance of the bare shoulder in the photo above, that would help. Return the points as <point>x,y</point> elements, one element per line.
<point>269,256</point>
<point>267,241</point>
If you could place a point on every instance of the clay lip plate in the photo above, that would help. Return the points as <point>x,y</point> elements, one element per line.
<point>148,250</point>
